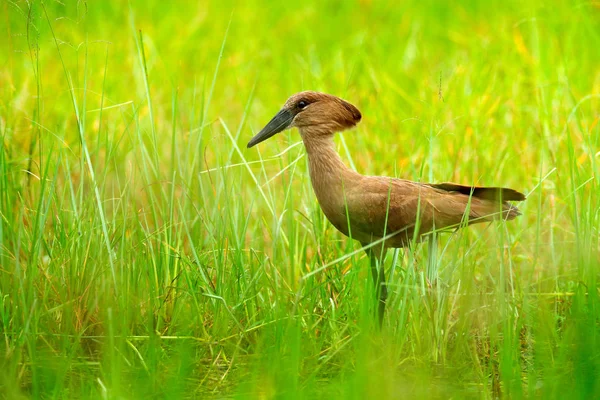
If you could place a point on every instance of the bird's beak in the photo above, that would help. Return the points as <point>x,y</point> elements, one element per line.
<point>280,122</point>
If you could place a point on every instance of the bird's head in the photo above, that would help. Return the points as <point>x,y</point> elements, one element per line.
<point>314,113</point>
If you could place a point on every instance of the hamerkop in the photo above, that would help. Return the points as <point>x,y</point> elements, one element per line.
<point>392,212</point>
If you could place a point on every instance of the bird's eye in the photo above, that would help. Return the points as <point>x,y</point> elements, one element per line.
<point>302,104</point>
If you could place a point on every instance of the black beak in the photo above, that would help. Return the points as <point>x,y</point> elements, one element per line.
<point>280,122</point>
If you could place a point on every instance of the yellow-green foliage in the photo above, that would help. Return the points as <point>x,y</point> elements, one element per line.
<point>145,252</point>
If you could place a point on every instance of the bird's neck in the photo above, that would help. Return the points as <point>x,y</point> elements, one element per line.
<point>328,173</point>
<point>322,155</point>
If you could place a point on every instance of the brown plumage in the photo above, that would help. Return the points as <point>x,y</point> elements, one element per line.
<point>369,208</point>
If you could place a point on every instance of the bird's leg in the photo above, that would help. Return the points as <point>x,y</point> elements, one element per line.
<point>432,260</point>
<point>376,255</point>
<point>382,293</point>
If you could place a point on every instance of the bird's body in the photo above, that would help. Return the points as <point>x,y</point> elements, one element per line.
<point>370,208</point>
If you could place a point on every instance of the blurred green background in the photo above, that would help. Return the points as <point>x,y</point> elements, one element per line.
<point>145,253</point>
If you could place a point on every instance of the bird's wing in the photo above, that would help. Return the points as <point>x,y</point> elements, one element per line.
<point>482,192</point>
<point>381,206</point>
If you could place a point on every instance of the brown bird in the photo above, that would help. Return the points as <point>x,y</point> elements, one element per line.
<point>389,212</point>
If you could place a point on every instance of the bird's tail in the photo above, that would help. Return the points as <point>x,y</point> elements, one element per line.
<point>489,210</point>
<point>487,203</point>
<point>483,192</point>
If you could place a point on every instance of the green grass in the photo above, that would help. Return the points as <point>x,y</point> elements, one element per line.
<point>146,253</point>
